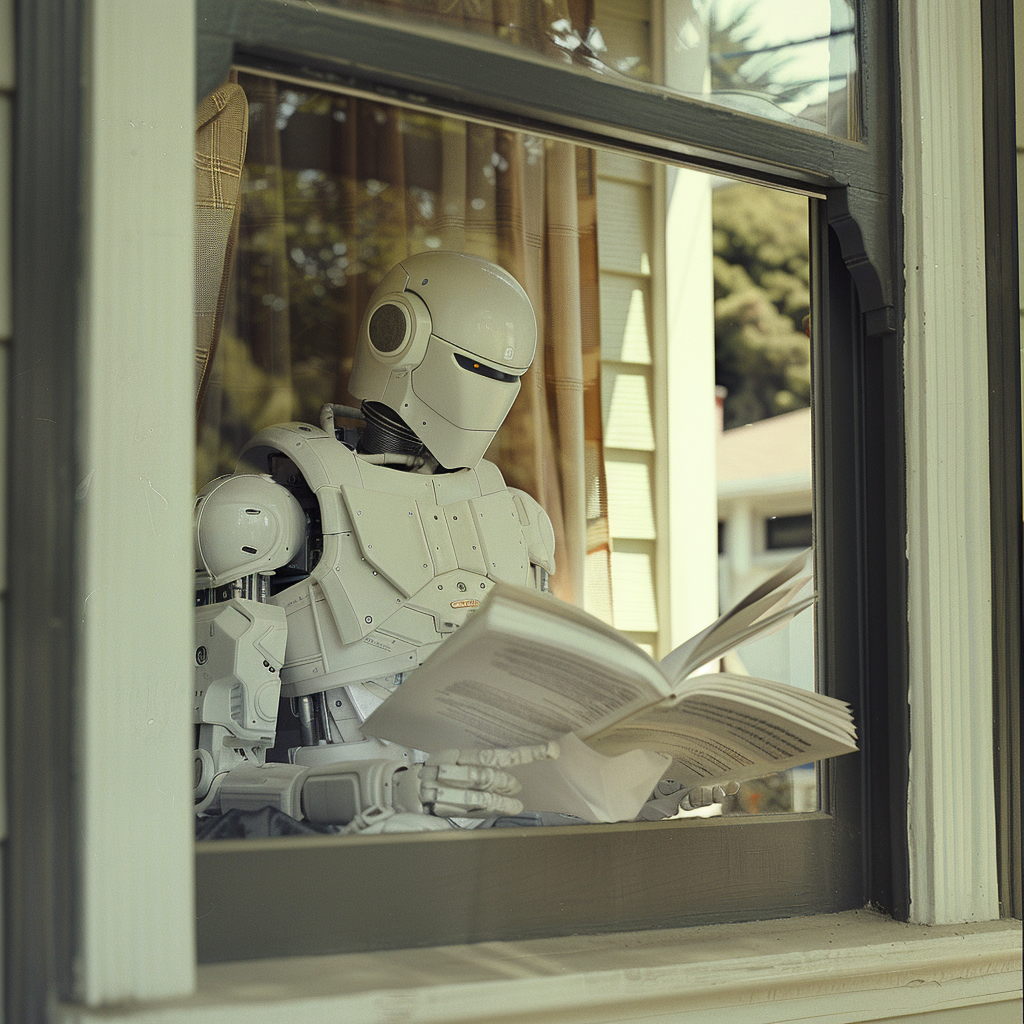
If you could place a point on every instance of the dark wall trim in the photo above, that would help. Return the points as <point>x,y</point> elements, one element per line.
<point>886,638</point>
<point>1003,320</point>
<point>39,881</point>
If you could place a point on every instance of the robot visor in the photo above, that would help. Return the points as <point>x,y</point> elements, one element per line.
<point>468,393</point>
<point>484,370</point>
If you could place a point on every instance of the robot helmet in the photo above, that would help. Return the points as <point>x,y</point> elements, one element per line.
<point>244,524</point>
<point>443,344</point>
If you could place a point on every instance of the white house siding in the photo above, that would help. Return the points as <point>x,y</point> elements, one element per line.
<point>657,362</point>
<point>953,874</point>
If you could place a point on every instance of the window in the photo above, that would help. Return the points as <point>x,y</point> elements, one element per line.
<point>787,532</point>
<point>376,59</point>
<point>649,282</point>
<point>681,276</point>
<point>66,904</point>
<point>795,64</point>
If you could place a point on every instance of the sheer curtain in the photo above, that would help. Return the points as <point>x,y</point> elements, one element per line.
<point>335,191</point>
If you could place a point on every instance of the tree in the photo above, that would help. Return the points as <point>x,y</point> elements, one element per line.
<point>762,296</point>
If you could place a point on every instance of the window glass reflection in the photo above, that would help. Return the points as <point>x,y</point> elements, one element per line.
<point>793,61</point>
<point>665,422</point>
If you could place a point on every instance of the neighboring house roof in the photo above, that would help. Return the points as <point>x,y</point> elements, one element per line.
<point>773,455</point>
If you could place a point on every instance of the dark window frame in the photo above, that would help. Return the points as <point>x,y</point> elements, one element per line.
<point>377,892</point>
<point>1005,462</point>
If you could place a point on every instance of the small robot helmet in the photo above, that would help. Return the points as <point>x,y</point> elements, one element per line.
<point>245,524</point>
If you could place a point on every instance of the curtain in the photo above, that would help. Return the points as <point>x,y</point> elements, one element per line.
<point>222,124</point>
<point>336,190</point>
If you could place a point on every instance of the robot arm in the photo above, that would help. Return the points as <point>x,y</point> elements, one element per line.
<point>540,536</point>
<point>453,783</point>
<point>245,527</point>
<point>365,793</point>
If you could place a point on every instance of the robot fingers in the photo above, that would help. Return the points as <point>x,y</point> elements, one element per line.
<point>475,777</point>
<point>468,790</point>
<point>705,796</point>
<point>449,802</point>
<point>669,797</point>
<point>497,757</point>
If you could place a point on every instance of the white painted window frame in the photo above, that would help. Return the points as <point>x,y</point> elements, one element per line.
<point>135,430</point>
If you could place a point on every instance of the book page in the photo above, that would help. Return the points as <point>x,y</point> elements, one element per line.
<point>714,739</point>
<point>582,782</point>
<point>718,640</point>
<point>815,710</point>
<point>760,612</point>
<point>506,680</point>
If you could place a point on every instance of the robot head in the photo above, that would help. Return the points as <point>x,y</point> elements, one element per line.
<point>245,524</point>
<point>443,344</point>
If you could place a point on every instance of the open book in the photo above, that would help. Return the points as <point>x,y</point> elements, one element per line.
<point>526,668</point>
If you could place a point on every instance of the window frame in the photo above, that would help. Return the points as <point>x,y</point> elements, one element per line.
<point>1003,321</point>
<point>90,941</point>
<point>65,926</point>
<point>445,888</point>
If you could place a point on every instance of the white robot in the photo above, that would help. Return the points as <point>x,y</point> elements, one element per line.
<point>335,560</point>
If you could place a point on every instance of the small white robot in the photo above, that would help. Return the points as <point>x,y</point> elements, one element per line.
<point>336,560</point>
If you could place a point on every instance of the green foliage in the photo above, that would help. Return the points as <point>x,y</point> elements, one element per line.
<point>762,295</point>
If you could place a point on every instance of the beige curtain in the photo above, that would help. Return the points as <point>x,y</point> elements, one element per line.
<point>337,190</point>
<point>222,124</point>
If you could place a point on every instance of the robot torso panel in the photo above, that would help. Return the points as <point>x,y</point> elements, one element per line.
<point>403,557</point>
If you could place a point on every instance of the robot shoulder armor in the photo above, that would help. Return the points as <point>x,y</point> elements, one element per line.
<point>319,457</point>
<point>489,477</point>
<point>537,528</point>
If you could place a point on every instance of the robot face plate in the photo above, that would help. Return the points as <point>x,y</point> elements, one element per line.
<point>469,393</point>
<point>443,343</point>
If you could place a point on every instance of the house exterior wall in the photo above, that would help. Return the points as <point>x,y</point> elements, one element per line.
<point>136,950</point>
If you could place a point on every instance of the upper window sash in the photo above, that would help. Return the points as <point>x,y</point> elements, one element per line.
<point>462,72</point>
<point>485,79</point>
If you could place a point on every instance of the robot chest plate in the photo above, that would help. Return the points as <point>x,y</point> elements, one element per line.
<point>411,541</point>
<point>407,551</point>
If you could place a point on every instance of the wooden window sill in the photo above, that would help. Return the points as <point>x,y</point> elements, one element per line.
<point>855,966</point>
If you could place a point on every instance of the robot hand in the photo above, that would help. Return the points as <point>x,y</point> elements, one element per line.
<point>383,796</point>
<point>471,783</point>
<point>705,796</point>
<point>669,798</point>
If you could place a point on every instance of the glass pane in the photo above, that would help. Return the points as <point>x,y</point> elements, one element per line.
<point>666,417</point>
<point>762,347</point>
<point>793,61</point>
